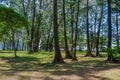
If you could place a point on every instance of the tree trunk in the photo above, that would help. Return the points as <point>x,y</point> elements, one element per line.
<point>37,36</point>
<point>117,30</point>
<point>98,32</point>
<point>25,12</point>
<point>22,46</point>
<point>37,32</point>
<point>48,40</point>
<point>109,58</point>
<point>17,44</point>
<point>32,28</point>
<point>72,41</point>
<point>4,44</point>
<point>87,32</point>
<point>10,46</point>
<point>48,37</point>
<point>58,56</point>
<point>76,33</point>
<point>67,53</point>
<point>13,43</point>
<point>51,44</point>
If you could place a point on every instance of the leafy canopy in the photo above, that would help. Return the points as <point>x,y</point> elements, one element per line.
<point>11,18</point>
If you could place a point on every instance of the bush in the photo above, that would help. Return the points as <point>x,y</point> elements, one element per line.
<point>104,49</point>
<point>112,52</point>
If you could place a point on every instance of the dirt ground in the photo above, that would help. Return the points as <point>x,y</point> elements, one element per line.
<point>112,74</point>
<point>84,69</point>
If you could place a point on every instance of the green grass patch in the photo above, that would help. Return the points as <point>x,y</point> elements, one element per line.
<point>42,62</point>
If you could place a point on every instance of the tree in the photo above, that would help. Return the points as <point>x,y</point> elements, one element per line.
<point>76,33</point>
<point>32,27</point>
<point>109,46</point>
<point>72,24</point>
<point>98,32</point>
<point>67,53</point>
<point>57,57</point>
<point>89,53</point>
<point>117,28</point>
<point>14,21</point>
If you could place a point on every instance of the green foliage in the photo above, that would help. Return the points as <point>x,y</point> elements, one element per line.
<point>12,18</point>
<point>112,52</point>
<point>104,49</point>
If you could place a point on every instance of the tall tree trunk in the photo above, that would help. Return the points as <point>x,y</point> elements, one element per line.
<point>91,35</point>
<point>37,33</point>
<point>67,53</point>
<point>17,43</point>
<point>48,37</point>
<point>58,56</point>
<point>109,58</point>
<point>13,43</point>
<point>32,28</point>
<point>117,29</point>
<point>25,13</point>
<point>10,43</point>
<point>22,45</point>
<point>36,39</point>
<point>48,40</point>
<point>76,33</point>
<point>72,41</point>
<point>37,36</point>
<point>98,32</point>
<point>51,44</point>
<point>87,32</point>
<point>4,44</point>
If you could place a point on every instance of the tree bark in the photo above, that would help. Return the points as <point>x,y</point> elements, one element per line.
<point>25,12</point>
<point>32,28</point>
<point>13,43</point>
<point>72,41</point>
<point>117,30</point>
<point>89,53</point>
<point>49,36</point>
<point>37,32</point>
<point>67,53</point>
<point>109,58</point>
<point>98,32</point>
<point>58,56</point>
<point>4,44</point>
<point>76,33</point>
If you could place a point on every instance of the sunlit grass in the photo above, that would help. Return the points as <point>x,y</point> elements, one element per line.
<point>42,62</point>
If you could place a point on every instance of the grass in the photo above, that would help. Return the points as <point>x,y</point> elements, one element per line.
<point>38,66</point>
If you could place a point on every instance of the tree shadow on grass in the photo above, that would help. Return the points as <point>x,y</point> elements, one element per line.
<point>84,69</point>
<point>80,68</point>
<point>2,52</point>
<point>20,63</point>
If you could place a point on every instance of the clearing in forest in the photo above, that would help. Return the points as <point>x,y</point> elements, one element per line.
<point>39,67</point>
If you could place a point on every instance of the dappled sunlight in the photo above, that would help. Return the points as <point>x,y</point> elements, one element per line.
<point>39,66</point>
<point>59,40</point>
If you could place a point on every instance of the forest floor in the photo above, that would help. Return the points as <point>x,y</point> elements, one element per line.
<point>39,67</point>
